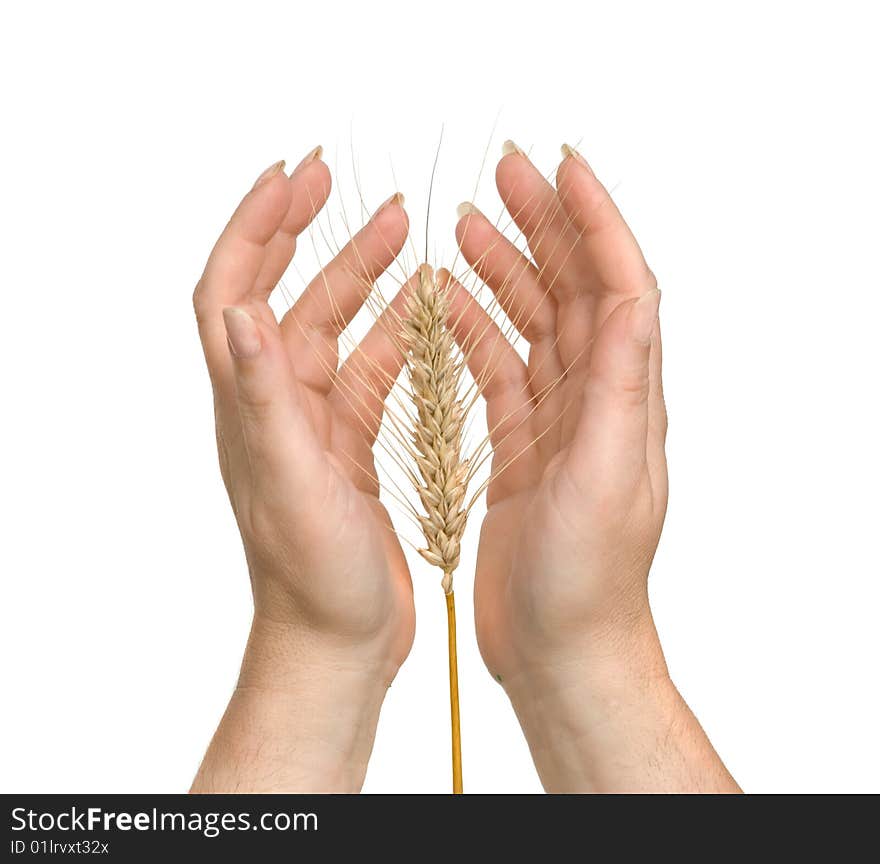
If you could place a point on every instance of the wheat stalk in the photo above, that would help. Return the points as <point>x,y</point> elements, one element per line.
<point>434,370</point>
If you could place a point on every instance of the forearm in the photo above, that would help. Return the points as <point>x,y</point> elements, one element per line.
<point>298,721</point>
<point>613,721</point>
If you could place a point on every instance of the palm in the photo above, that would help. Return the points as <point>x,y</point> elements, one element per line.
<point>350,537</point>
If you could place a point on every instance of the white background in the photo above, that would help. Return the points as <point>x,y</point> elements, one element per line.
<point>742,144</point>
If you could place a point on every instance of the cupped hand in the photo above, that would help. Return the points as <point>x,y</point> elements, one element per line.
<point>578,491</point>
<point>333,606</point>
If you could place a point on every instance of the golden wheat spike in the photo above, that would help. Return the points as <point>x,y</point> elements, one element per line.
<point>434,383</point>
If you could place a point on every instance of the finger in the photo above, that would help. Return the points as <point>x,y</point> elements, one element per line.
<point>536,209</point>
<point>239,253</point>
<point>332,299</point>
<point>234,264</point>
<point>310,187</point>
<point>369,373</point>
<point>515,283</point>
<point>512,277</point>
<point>502,377</point>
<point>613,255</point>
<point>609,448</point>
<point>281,447</point>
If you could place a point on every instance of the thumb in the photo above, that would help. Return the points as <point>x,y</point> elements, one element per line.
<point>610,443</point>
<point>281,445</point>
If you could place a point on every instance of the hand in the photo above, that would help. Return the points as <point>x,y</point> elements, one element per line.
<point>579,488</point>
<point>333,606</point>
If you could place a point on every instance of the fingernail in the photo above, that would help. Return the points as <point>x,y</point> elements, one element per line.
<point>317,153</point>
<point>396,198</point>
<point>569,152</point>
<point>444,278</point>
<point>270,172</point>
<point>466,209</point>
<point>242,332</point>
<point>509,147</point>
<point>643,316</point>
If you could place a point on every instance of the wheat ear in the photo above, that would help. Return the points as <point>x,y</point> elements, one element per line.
<point>435,371</point>
<point>435,376</point>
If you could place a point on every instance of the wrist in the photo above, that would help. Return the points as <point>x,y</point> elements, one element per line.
<point>593,715</point>
<point>289,656</point>
<point>610,719</point>
<point>302,717</point>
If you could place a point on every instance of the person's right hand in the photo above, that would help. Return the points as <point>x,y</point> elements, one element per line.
<point>578,492</point>
<point>333,606</point>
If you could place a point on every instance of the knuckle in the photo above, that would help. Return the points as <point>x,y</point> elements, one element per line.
<point>198,302</point>
<point>253,406</point>
<point>501,378</point>
<point>663,418</point>
<point>629,388</point>
<point>634,384</point>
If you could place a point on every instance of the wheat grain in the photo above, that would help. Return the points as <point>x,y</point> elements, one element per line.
<point>435,373</point>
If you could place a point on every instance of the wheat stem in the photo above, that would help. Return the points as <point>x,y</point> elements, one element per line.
<point>453,696</point>
<point>435,370</point>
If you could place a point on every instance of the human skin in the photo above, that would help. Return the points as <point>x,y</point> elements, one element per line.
<point>333,607</point>
<point>562,614</point>
<point>561,589</point>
